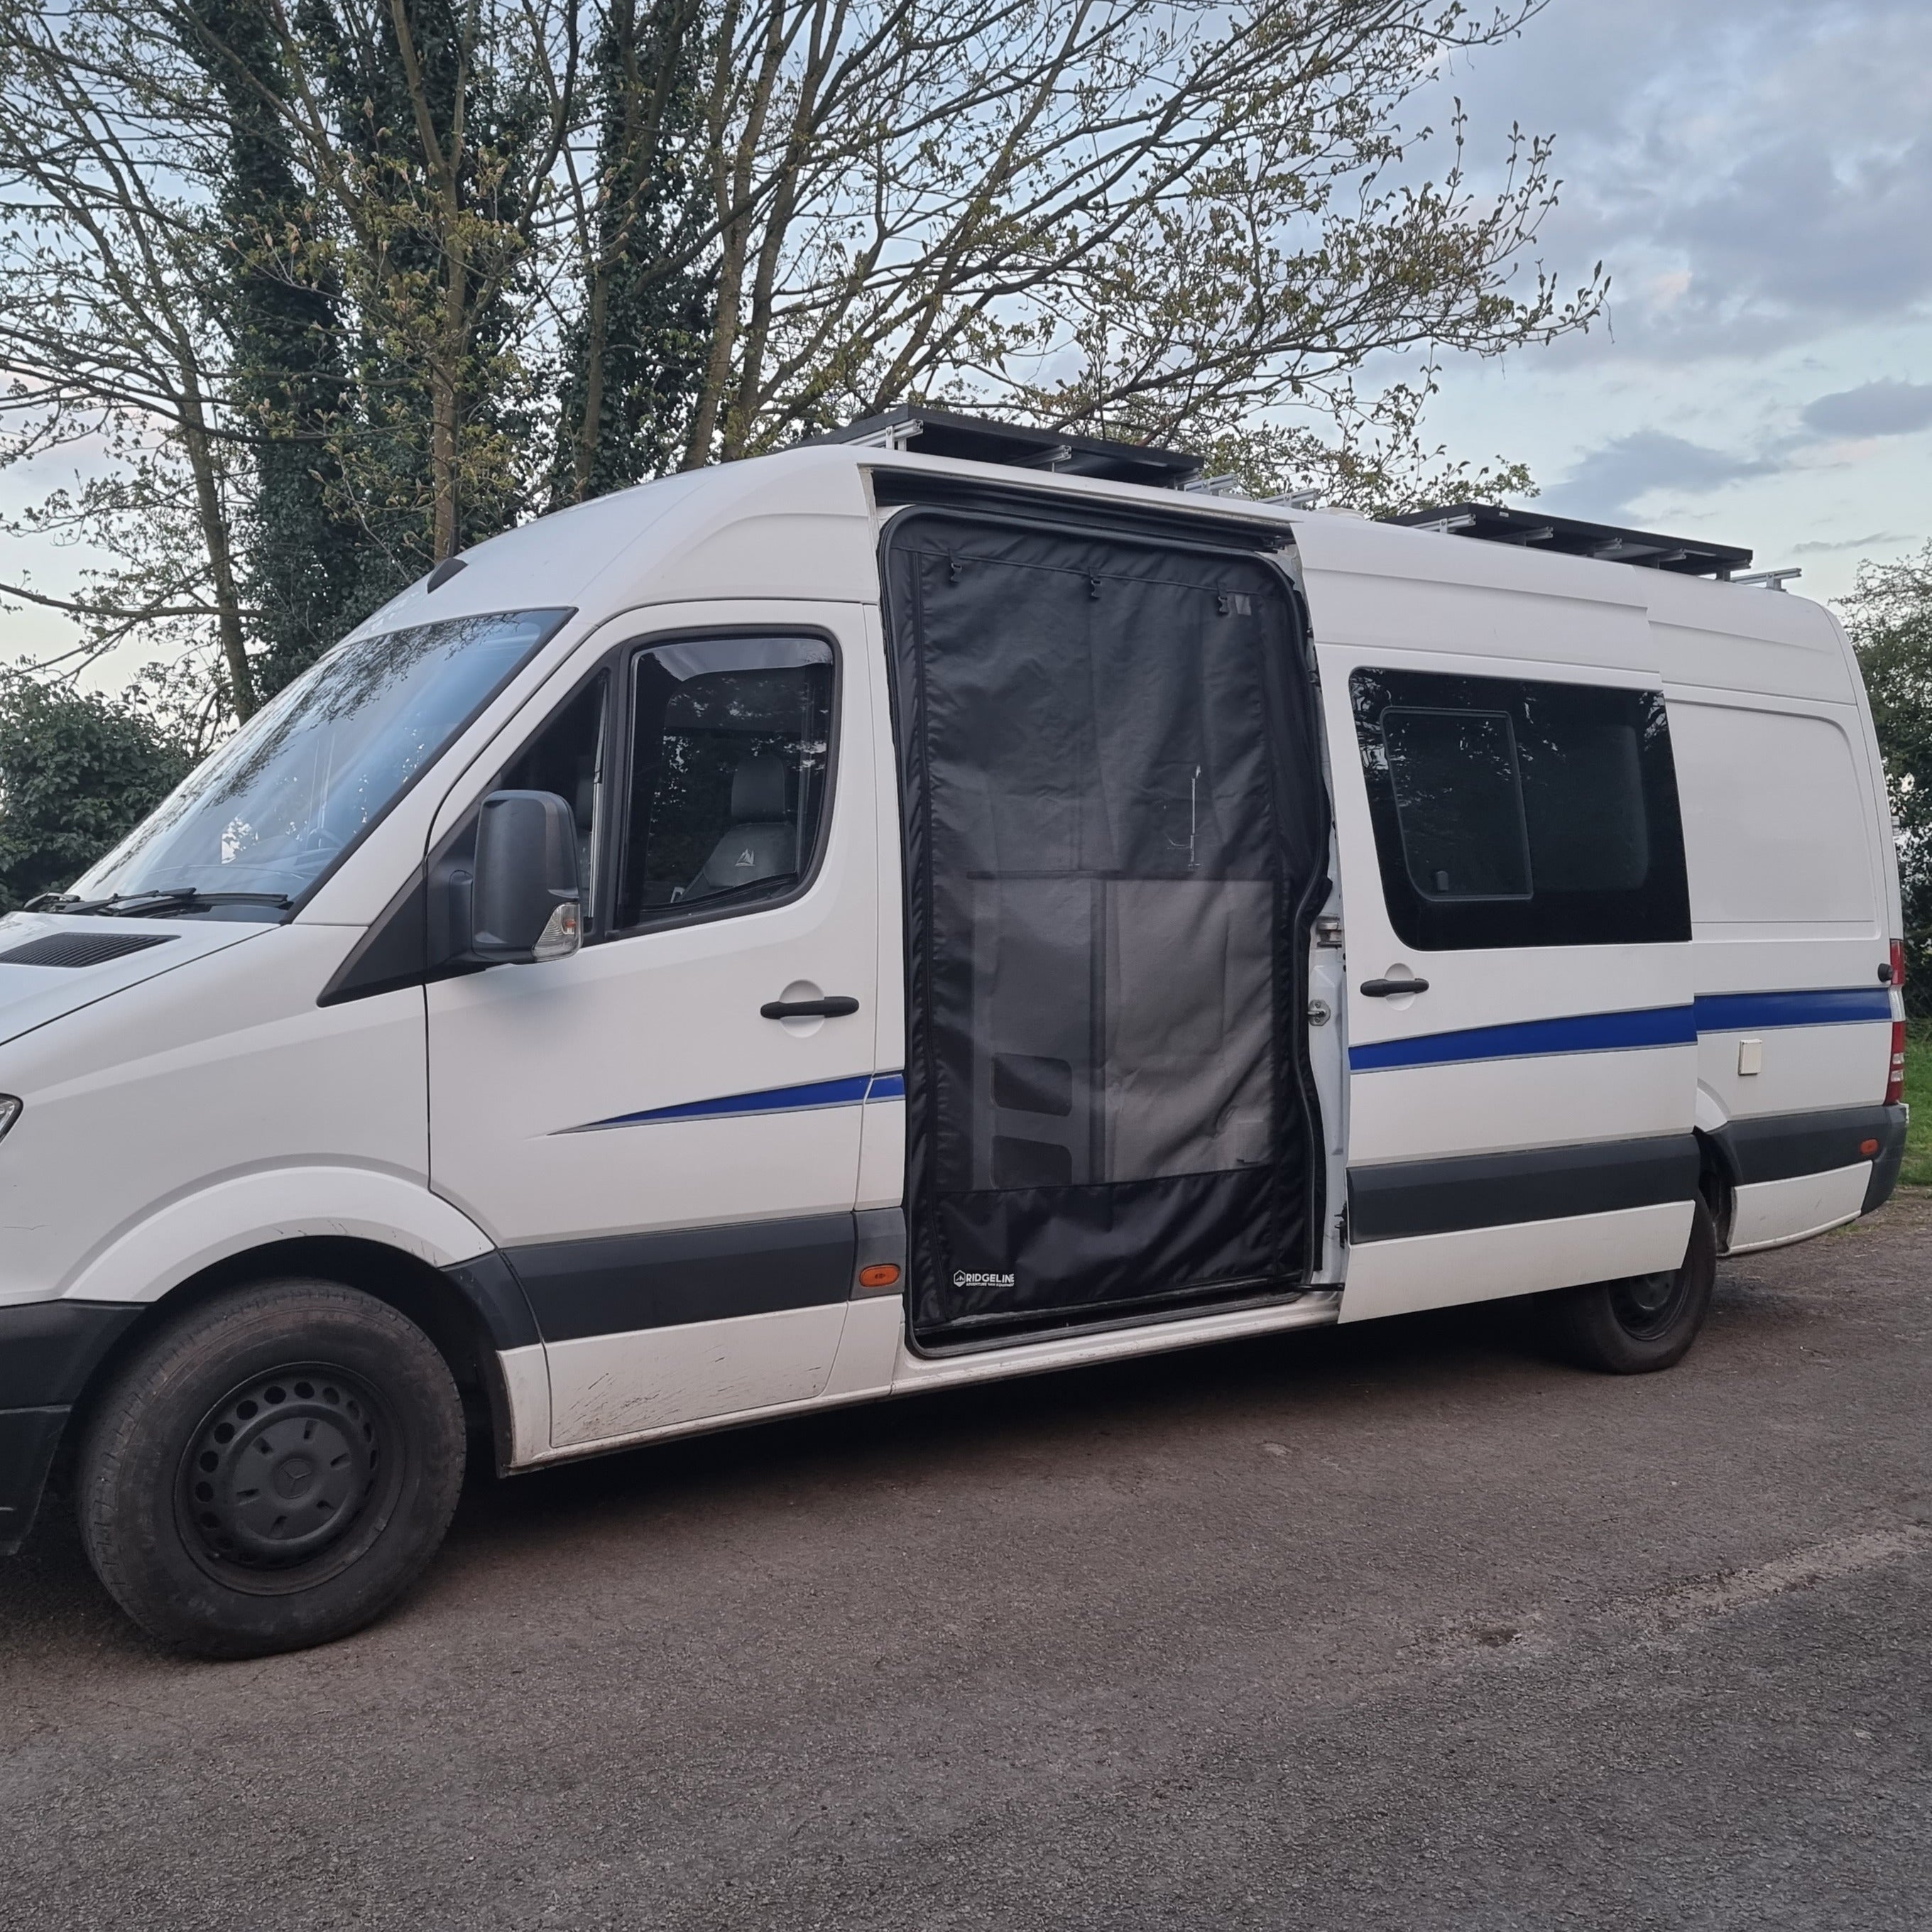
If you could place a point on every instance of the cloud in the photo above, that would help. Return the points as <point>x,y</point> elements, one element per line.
<point>1817,547</point>
<point>1873,409</point>
<point>1611,478</point>
<point>1755,174</point>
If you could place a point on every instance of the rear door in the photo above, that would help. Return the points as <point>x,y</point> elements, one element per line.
<point>1521,1047</point>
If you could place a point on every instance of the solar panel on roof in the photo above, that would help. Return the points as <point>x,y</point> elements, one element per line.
<point>1571,536</point>
<point>925,432</point>
<point>947,432</point>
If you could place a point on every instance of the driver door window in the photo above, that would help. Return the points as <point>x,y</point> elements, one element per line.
<point>728,747</point>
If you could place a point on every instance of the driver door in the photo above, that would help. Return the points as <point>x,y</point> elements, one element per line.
<point>670,1167</point>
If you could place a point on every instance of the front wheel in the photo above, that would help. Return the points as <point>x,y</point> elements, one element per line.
<point>1645,1322</point>
<point>273,1471</point>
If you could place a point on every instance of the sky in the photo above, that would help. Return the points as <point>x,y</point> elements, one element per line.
<point>1757,177</point>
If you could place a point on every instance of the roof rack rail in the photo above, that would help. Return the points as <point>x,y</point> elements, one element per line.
<point>1532,529</point>
<point>912,426</point>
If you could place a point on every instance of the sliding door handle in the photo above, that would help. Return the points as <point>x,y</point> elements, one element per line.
<point>838,1007</point>
<point>1387,989</point>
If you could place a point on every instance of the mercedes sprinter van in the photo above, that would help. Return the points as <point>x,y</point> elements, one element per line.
<point>938,904</point>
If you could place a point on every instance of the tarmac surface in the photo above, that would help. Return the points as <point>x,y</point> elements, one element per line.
<point>1398,1626</point>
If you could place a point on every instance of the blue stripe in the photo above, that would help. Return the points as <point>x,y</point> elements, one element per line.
<point>1579,1033</point>
<point>1728,1012</point>
<point>1652,1026</point>
<point>846,1093</point>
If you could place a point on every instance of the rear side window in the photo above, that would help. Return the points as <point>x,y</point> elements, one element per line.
<point>1510,812</point>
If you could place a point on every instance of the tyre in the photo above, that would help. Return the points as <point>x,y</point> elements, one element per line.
<point>1645,1322</point>
<point>272,1471</point>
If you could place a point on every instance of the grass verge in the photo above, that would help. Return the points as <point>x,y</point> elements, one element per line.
<point>1916,1169</point>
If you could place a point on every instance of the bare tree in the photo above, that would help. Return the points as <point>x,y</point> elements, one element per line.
<point>106,338</point>
<point>1163,220</point>
<point>559,244</point>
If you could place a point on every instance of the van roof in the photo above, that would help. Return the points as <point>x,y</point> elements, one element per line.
<point>802,523</point>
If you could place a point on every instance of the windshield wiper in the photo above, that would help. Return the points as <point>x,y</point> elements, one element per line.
<point>150,904</point>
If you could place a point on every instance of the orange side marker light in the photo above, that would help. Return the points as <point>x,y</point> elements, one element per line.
<point>881,1274</point>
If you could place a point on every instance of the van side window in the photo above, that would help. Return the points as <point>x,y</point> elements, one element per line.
<point>729,759</point>
<point>1458,792</point>
<point>1513,812</point>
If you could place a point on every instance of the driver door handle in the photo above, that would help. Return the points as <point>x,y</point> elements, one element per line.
<point>1384,989</point>
<point>837,1007</point>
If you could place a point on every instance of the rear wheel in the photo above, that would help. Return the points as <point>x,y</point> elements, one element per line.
<point>273,1471</point>
<point>1644,1321</point>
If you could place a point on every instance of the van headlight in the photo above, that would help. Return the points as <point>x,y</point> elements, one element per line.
<point>9,1112</point>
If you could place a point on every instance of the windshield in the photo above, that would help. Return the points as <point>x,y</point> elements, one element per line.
<point>273,809</point>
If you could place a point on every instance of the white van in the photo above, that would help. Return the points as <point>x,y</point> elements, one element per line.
<point>943,904</point>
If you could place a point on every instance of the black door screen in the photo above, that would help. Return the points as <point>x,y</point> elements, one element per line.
<point>1116,833</point>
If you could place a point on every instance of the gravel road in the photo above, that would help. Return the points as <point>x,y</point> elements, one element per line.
<point>1400,1626</point>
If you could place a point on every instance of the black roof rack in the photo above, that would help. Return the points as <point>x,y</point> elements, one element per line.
<point>976,439</point>
<point>1532,530</point>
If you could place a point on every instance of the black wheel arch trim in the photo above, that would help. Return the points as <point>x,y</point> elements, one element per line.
<point>29,1437</point>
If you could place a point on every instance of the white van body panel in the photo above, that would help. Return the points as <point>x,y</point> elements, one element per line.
<point>1401,1276</point>
<point>567,1101</point>
<point>31,997</point>
<point>111,1194</point>
<point>642,1383</point>
<point>282,1204</point>
<point>1412,1113</point>
<point>1773,1213</point>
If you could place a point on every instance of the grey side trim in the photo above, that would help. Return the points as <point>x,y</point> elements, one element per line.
<point>1440,1197</point>
<point>616,1284</point>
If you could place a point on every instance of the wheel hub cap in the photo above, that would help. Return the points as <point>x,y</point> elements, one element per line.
<point>1646,1304</point>
<point>282,1469</point>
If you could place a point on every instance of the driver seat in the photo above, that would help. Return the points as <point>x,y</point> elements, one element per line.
<point>761,842</point>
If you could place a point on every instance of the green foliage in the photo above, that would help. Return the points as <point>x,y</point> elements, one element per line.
<point>635,353</point>
<point>77,773</point>
<point>439,143</point>
<point>1889,616</point>
<point>302,555</point>
<point>1916,1169</point>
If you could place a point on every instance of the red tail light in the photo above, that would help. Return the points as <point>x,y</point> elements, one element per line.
<point>1894,1084</point>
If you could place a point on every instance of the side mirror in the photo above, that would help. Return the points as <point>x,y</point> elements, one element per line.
<point>526,904</point>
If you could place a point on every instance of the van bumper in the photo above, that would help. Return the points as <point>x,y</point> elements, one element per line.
<point>48,1351</point>
<point>1891,1136</point>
